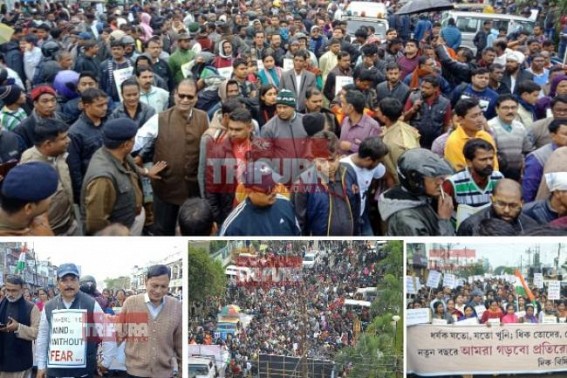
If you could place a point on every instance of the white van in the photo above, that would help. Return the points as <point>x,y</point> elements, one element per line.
<point>362,13</point>
<point>356,304</point>
<point>238,273</point>
<point>366,293</point>
<point>469,23</point>
<point>201,367</point>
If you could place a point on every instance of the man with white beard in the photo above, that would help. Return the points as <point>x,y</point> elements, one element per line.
<point>19,322</point>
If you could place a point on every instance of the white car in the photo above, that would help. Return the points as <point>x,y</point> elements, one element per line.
<point>309,260</point>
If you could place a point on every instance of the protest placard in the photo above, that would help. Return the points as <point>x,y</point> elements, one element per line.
<point>341,81</point>
<point>121,76</point>
<point>417,316</point>
<point>67,345</point>
<point>433,279</point>
<point>553,290</point>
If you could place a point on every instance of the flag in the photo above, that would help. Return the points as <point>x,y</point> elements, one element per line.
<point>21,265</point>
<point>522,287</point>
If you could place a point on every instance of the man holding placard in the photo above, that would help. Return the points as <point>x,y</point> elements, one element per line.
<point>67,339</point>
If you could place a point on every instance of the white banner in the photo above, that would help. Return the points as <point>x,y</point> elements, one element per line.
<point>538,280</point>
<point>417,316</point>
<point>509,349</point>
<point>433,279</point>
<point>412,285</point>
<point>450,280</point>
<point>67,342</point>
<point>287,64</point>
<point>226,72</point>
<point>121,76</point>
<point>341,81</point>
<point>554,290</point>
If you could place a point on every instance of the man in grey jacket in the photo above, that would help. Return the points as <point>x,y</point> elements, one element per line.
<point>286,137</point>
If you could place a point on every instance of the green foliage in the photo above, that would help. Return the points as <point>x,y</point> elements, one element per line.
<point>476,269</point>
<point>206,276</point>
<point>121,282</point>
<point>215,245</point>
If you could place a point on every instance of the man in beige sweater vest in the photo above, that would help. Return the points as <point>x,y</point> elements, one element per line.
<point>151,326</point>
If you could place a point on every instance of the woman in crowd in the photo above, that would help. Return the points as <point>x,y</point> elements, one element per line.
<point>270,74</point>
<point>529,317</point>
<point>42,298</point>
<point>456,314</point>
<point>493,312</point>
<point>469,313</point>
<point>510,316</point>
<point>441,313</point>
<point>268,94</point>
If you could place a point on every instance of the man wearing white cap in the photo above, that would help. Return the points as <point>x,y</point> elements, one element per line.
<point>555,206</point>
<point>515,73</point>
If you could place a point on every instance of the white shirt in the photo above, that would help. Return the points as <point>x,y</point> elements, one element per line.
<point>298,82</point>
<point>152,308</point>
<point>364,177</point>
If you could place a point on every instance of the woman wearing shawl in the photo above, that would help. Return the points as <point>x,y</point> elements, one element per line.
<point>558,87</point>
<point>529,317</point>
<point>493,312</point>
<point>225,57</point>
<point>469,313</point>
<point>146,28</point>
<point>270,74</point>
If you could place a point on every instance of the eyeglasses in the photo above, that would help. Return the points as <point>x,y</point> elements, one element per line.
<point>186,97</point>
<point>510,205</point>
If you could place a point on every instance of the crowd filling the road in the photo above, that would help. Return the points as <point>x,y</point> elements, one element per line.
<point>272,118</point>
<point>311,317</point>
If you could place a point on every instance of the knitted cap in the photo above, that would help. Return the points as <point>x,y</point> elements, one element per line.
<point>37,92</point>
<point>286,97</point>
<point>10,94</point>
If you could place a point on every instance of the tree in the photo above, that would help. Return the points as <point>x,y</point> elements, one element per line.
<point>476,269</point>
<point>121,282</point>
<point>206,276</point>
<point>215,245</point>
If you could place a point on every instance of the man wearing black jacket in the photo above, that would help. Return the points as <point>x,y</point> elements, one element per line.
<point>19,322</point>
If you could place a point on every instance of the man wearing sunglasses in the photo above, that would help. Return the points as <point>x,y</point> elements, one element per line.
<point>506,205</point>
<point>176,134</point>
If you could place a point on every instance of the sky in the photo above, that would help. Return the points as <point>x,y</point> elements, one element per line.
<point>507,251</point>
<point>106,257</point>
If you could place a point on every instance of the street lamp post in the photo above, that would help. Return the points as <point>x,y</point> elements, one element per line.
<point>396,319</point>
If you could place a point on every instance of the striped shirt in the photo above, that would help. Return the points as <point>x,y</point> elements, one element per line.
<point>9,119</point>
<point>467,192</point>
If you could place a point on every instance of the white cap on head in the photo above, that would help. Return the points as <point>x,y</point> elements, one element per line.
<point>516,56</point>
<point>556,181</point>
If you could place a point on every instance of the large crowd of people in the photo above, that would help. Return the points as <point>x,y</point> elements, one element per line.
<point>268,117</point>
<point>307,317</point>
<point>487,301</point>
